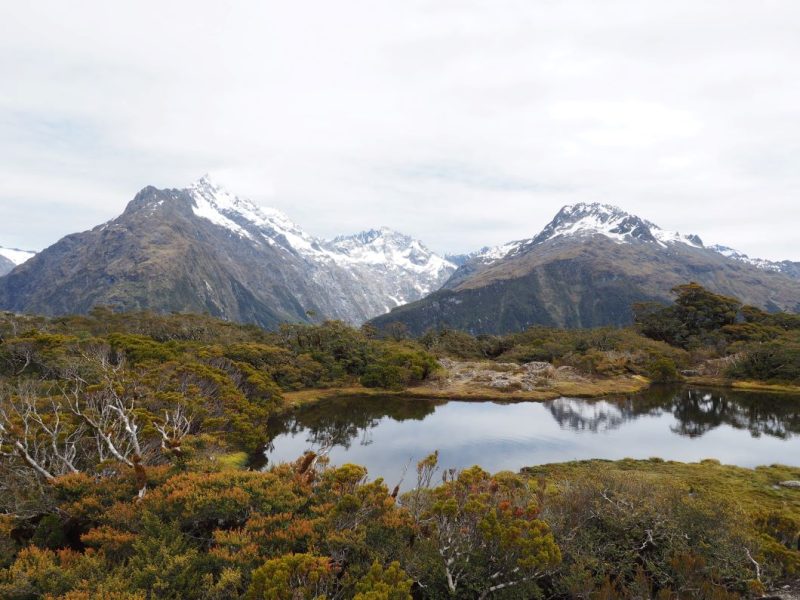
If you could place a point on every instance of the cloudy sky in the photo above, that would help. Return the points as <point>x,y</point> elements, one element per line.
<point>464,123</point>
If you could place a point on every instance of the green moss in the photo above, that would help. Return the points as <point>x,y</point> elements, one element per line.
<point>233,460</point>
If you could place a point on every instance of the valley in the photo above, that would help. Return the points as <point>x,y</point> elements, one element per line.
<point>474,301</point>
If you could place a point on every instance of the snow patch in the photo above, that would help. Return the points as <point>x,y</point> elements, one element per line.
<point>761,263</point>
<point>389,266</point>
<point>15,255</point>
<point>613,223</point>
<point>387,248</point>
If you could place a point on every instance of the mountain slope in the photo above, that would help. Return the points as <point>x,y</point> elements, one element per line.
<point>202,249</point>
<point>11,257</point>
<point>585,269</point>
<point>784,267</point>
<point>5,265</point>
<point>396,267</point>
<point>351,277</point>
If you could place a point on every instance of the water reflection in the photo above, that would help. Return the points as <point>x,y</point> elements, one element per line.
<point>345,421</point>
<point>385,433</point>
<point>695,411</point>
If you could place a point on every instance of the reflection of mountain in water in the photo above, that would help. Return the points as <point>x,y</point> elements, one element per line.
<point>344,422</point>
<point>580,415</point>
<point>696,411</point>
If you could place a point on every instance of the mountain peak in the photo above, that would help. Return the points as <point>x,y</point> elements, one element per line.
<point>12,257</point>
<point>383,247</point>
<point>240,215</point>
<point>213,192</point>
<point>583,219</point>
<point>391,250</point>
<point>206,179</point>
<point>370,236</point>
<point>203,249</point>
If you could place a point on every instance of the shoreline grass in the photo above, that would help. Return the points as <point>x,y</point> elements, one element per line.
<point>587,389</point>
<point>745,386</point>
<point>475,393</point>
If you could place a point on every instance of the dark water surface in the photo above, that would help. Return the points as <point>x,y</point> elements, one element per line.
<point>685,424</point>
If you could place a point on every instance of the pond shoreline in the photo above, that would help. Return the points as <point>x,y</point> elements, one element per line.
<point>593,389</point>
<point>674,422</point>
<point>744,386</point>
<point>597,388</point>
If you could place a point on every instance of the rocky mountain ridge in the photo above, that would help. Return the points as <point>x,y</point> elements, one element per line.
<point>585,268</point>
<point>205,249</point>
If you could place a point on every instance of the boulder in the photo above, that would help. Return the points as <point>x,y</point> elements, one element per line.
<point>795,485</point>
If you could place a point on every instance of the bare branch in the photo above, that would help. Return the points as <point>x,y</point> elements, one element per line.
<point>43,441</point>
<point>176,426</point>
<point>756,564</point>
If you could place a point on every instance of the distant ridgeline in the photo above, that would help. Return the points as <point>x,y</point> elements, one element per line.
<point>586,268</point>
<point>11,258</point>
<point>204,250</point>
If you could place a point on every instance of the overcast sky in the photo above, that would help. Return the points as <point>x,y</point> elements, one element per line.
<point>464,123</point>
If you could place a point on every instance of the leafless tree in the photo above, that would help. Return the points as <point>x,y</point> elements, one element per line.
<point>173,430</point>
<point>108,410</point>
<point>34,431</point>
<point>85,423</point>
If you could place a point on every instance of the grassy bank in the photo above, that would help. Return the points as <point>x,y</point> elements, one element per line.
<point>745,386</point>
<point>576,389</point>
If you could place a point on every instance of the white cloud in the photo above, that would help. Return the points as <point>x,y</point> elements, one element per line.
<point>463,123</point>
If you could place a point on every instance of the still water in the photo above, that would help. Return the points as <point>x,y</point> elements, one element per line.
<point>388,435</point>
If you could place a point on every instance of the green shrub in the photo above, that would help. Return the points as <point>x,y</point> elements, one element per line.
<point>398,367</point>
<point>450,342</point>
<point>663,370</point>
<point>638,530</point>
<point>773,361</point>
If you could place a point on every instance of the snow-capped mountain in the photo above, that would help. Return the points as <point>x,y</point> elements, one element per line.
<point>379,268</point>
<point>585,219</point>
<point>485,255</point>
<point>787,267</point>
<point>582,220</point>
<point>203,249</point>
<point>590,219</point>
<point>240,216</point>
<point>585,268</point>
<point>405,264</point>
<point>12,257</point>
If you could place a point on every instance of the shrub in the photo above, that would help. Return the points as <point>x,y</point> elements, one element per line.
<point>663,370</point>
<point>637,529</point>
<point>398,367</point>
<point>777,361</point>
<point>390,583</point>
<point>293,576</point>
